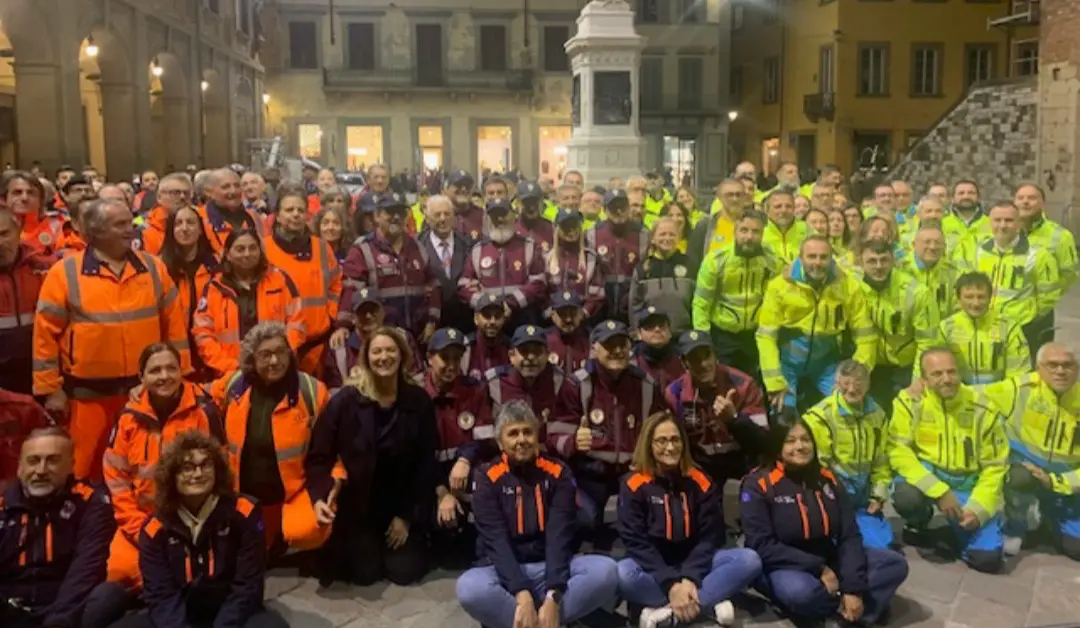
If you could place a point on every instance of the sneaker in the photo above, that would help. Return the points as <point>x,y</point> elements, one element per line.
<point>725,613</point>
<point>1013,545</point>
<point>656,618</point>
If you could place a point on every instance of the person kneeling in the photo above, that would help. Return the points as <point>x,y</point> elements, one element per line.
<point>797,517</point>
<point>525,516</point>
<point>671,521</point>
<point>202,554</point>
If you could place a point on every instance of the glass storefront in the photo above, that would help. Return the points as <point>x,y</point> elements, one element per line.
<point>552,143</point>
<point>679,159</point>
<point>493,148</point>
<point>430,140</point>
<point>364,147</point>
<point>309,141</point>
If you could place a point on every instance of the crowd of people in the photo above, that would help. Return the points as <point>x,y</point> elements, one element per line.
<point>220,370</point>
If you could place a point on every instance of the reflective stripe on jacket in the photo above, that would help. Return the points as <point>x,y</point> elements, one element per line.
<point>851,443</point>
<point>730,289</point>
<point>987,350</point>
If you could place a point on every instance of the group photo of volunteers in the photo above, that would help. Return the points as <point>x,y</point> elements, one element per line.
<point>596,404</point>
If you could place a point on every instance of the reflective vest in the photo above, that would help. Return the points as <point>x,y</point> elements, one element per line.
<point>730,289</point>
<point>939,279</point>
<point>987,350</point>
<point>851,444</point>
<point>1025,278</point>
<point>906,317</point>
<point>1059,242</point>
<point>785,244</point>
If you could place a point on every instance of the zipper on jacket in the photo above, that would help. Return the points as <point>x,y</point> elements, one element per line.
<point>539,508</point>
<point>805,518</point>
<point>824,514</point>
<point>520,510</point>
<point>686,516</point>
<point>667,516</point>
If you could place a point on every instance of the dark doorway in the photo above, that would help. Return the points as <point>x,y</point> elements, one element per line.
<point>429,55</point>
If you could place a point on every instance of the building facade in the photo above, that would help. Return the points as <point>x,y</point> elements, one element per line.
<point>481,84</point>
<point>125,85</point>
<point>856,83</point>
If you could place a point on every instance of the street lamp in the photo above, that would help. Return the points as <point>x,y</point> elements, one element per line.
<point>156,69</point>
<point>731,115</point>
<point>266,98</point>
<point>92,49</point>
<point>204,85</point>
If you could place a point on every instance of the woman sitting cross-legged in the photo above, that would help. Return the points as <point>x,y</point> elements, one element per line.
<point>798,518</point>
<point>525,517</point>
<point>202,553</point>
<point>672,523</point>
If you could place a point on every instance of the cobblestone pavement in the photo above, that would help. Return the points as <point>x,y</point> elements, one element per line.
<point>1037,590</point>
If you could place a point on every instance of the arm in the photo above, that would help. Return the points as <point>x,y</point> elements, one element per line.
<point>355,277</point>
<point>50,323</point>
<point>322,454</point>
<point>989,492</point>
<point>1065,253</point>
<point>819,428</point>
<point>708,281</point>
<point>1047,281</point>
<point>594,289</point>
<point>246,592</point>
<point>205,331</point>
<point>492,527</point>
<point>568,413</point>
<point>295,323</point>
<point>761,536</point>
<point>163,597</point>
<point>418,508</point>
<point>637,300</point>
<point>880,470</point>
<point>120,481</point>
<point>851,557</point>
<point>87,569</point>
<point>560,532</point>
<point>751,424</point>
<point>771,320</point>
<point>174,324</point>
<point>333,291</point>
<point>862,328</point>
<point>925,321</point>
<point>434,291</point>
<point>1017,353</point>
<point>468,291</point>
<point>632,524</point>
<point>901,452</point>
<point>535,288</point>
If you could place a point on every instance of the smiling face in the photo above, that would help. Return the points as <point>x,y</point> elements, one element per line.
<point>244,254</point>
<point>1058,368</point>
<point>667,446</point>
<point>446,364</point>
<point>272,359</point>
<point>330,227</point>
<point>530,359</point>
<point>665,236</point>
<point>816,256</point>
<point>196,476</point>
<point>798,449</point>
<point>384,356</point>
<point>161,376</point>
<point>613,354</point>
<point>45,464</point>
<point>520,441</point>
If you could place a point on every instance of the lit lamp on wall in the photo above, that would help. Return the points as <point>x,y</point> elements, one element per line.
<point>156,69</point>
<point>732,115</point>
<point>92,49</point>
<point>204,85</point>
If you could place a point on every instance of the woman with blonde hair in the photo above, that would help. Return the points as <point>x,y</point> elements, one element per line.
<point>683,225</point>
<point>671,520</point>
<point>664,278</point>
<point>571,266</point>
<point>382,428</point>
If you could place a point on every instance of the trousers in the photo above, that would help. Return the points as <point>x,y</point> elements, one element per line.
<point>738,350</point>
<point>123,565</point>
<point>295,520</point>
<point>732,571</point>
<point>1024,493</point>
<point>803,594</point>
<point>91,422</point>
<point>593,585</point>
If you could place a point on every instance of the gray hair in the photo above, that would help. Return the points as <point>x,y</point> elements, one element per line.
<point>435,199</point>
<point>853,368</point>
<point>176,176</point>
<point>1054,346</point>
<point>92,216</point>
<point>516,411</point>
<point>267,330</point>
<point>202,181</point>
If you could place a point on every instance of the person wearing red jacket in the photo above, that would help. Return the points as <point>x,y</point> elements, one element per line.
<point>531,223</point>
<point>530,376</point>
<point>468,216</point>
<point>655,352</point>
<point>621,243</point>
<point>22,272</point>
<point>572,266</point>
<point>488,347</point>
<point>568,340</point>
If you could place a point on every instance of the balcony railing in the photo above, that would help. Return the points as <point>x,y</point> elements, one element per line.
<point>818,106</point>
<point>510,81</point>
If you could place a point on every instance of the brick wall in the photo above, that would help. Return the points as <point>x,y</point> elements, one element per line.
<point>1058,28</point>
<point>1059,108</point>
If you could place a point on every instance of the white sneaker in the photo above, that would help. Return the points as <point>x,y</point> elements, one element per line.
<point>1013,545</point>
<point>656,617</point>
<point>725,613</point>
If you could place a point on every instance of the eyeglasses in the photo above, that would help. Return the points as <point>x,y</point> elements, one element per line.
<point>663,442</point>
<point>189,468</point>
<point>265,356</point>
<point>1059,366</point>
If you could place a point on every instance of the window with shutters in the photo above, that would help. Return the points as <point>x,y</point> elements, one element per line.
<point>361,46</point>
<point>927,63</point>
<point>303,51</point>
<point>873,78</point>
<point>493,51</point>
<point>651,83</point>
<point>979,63</point>
<point>555,59</point>
<point>691,70</point>
<point>770,82</point>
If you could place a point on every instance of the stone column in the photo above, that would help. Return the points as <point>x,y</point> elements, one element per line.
<point>1059,109</point>
<point>118,111</point>
<point>48,109</point>
<point>605,56</point>
<point>215,136</point>
<point>178,137</point>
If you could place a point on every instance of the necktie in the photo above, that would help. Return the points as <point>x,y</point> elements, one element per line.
<point>444,255</point>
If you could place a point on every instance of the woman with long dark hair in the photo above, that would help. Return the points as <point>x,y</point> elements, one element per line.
<point>190,259</point>
<point>683,223</point>
<point>336,229</point>
<point>796,515</point>
<point>382,428</point>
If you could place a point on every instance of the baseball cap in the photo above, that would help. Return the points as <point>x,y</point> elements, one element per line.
<point>567,214</point>
<point>488,300</point>
<point>498,206</point>
<point>566,299</point>
<point>529,189</point>
<point>693,339</point>
<point>528,333</point>
<point>644,313</point>
<point>393,200</point>
<point>368,201</point>
<point>607,330</point>
<point>363,296</point>
<point>460,177</point>
<point>614,196</point>
<point>446,337</point>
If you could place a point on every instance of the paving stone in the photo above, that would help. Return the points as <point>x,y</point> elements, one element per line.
<point>928,581</point>
<point>339,604</point>
<point>281,581</point>
<point>1011,592</point>
<point>975,612</point>
<point>1055,599</point>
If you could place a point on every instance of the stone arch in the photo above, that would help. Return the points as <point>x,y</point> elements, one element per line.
<point>245,116</point>
<point>215,119</point>
<point>170,106</point>
<point>120,95</point>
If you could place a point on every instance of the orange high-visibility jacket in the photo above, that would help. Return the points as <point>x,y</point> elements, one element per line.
<point>217,229</point>
<point>136,444</point>
<point>217,329</point>
<point>91,325</point>
<point>292,422</point>
<point>153,230</point>
<point>317,275</point>
<point>43,232</point>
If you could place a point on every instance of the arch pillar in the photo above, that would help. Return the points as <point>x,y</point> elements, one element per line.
<point>48,110</point>
<point>119,110</point>
<point>176,131</point>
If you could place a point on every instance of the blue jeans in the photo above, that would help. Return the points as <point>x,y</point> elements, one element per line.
<point>593,584</point>
<point>732,571</point>
<point>876,531</point>
<point>804,362</point>
<point>803,595</point>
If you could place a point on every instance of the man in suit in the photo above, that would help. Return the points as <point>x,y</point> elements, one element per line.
<point>446,252</point>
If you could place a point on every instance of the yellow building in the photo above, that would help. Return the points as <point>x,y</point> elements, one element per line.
<point>856,83</point>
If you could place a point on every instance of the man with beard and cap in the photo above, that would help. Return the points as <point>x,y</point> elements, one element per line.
<point>531,375</point>
<point>619,243</point>
<point>367,315</point>
<point>488,347</point>
<point>598,418</point>
<point>397,267</point>
<point>224,212</point>
<point>507,264</point>
<point>966,215</point>
<point>466,439</point>
<point>468,216</point>
<point>655,352</point>
<point>729,291</point>
<point>530,201</point>
<point>722,408</point>
<point>568,341</point>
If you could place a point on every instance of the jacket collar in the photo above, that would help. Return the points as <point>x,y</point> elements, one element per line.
<point>217,219</point>
<point>292,397</point>
<point>456,391</point>
<point>15,497</point>
<point>797,273</point>
<point>1021,246</point>
<point>92,265</point>
<point>144,411</point>
<point>300,248</point>
<point>845,410</point>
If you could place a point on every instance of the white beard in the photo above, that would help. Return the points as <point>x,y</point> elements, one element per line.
<point>501,235</point>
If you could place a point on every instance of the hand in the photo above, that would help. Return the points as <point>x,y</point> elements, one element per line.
<point>682,599</point>
<point>1042,476</point>
<point>776,400</point>
<point>135,393</point>
<point>874,507</point>
<point>324,514</point>
<point>969,521</point>
<point>397,533</point>
<point>449,510</point>
<point>949,507</point>
<point>831,582</point>
<point>549,614</point>
<point>56,404</point>
<point>724,407</point>
<point>851,607</point>
<point>915,390</point>
<point>338,339</point>
<point>429,331</point>
<point>459,475</point>
<point>583,437</point>
<point>525,612</point>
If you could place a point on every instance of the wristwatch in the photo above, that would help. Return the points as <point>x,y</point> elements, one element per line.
<point>555,595</point>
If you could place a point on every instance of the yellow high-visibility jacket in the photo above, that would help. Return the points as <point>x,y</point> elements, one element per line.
<point>1059,242</point>
<point>785,244</point>
<point>1025,278</point>
<point>939,279</point>
<point>1042,428</point>
<point>730,289</point>
<point>851,443</point>
<point>987,350</point>
<point>964,435</point>
<point>653,208</point>
<point>906,317</point>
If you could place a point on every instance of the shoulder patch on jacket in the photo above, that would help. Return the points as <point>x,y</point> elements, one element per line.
<point>828,475</point>
<point>497,471</point>
<point>636,481</point>
<point>83,490</point>
<point>244,506</point>
<point>700,479</point>
<point>152,527</point>
<point>552,468</point>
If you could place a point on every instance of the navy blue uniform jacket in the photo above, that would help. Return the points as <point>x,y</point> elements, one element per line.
<point>217,577</point>
<point>525,514</point>
<point>671,525</point>
<point>53,553</point>
<point>802,525</point>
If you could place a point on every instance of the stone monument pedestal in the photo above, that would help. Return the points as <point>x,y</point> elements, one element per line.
<point>605,56</point>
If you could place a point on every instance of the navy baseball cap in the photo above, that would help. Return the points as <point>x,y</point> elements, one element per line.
<point>566,299</point>
<point>488,300</point>
<point>363,296</point>
<point>460,177</point>
<point>498,206</point>
<point>528,333</point>
<point>446,337</point>
<point>607,330</point>
<point>648,312</point>
<point>567,214</point>
<point>368,201</point>
<point>529,189</point>
<point>614,196</point>
<point>694,339</point>
<point>391,201</point>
